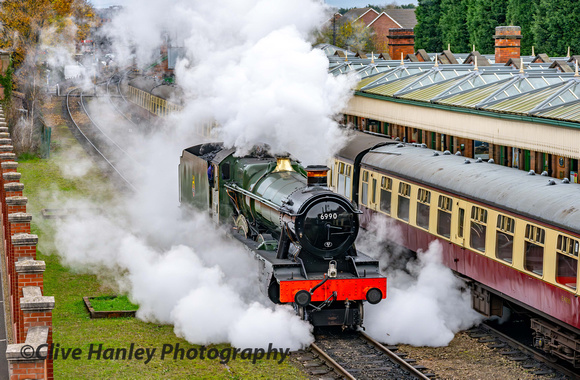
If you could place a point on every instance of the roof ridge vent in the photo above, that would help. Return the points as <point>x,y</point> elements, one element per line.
<point>447,153</point>
<point>565,180</point>
<point>400,145</point>
<point>479,159</point>
<point>551,182</point>
<point>491,161</point>
<point>435,153</point>
<point>467,161</point>
<point>423,145</point>
<point>531,172</point>
<point>458,153</point>
<point>544,173</point>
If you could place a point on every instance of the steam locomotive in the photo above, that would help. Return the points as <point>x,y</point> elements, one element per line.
<point>301,233</point>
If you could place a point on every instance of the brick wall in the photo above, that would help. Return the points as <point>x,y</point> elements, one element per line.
<point>507,43</point>
<point>401,41</point>
<point>30,311</point>
<point>381,28</point>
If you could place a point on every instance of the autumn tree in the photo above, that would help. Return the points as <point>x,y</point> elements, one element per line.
<point>348,35</point>
<point>29,29</point>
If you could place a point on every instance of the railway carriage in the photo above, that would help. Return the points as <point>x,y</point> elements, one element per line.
<point>161,100</point>
<point>513,236</point>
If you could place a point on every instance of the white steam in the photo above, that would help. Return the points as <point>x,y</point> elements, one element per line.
<point>247,65</point>
<point>180,270</point>
<point>425,304</point>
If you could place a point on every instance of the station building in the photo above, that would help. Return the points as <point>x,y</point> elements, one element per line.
<point>520,111</point>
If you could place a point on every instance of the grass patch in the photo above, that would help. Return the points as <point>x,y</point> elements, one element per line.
<point>72,326</point>
<point>112,303</point>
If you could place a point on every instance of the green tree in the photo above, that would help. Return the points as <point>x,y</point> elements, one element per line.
<point>521,13</point>
<point>555,27</point>
<point>427,31</point>
<point>453,25</point>
<point>482,18</point>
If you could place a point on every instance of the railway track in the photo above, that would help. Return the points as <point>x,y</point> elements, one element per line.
<point>356,355</point>
<point>111,156</point>
<point>529,358</point>
<point>116,97</point>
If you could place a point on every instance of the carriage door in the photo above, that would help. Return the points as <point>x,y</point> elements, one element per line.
<point>215,195</point>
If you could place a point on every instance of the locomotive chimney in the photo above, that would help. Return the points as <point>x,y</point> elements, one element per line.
<point>316,175</point>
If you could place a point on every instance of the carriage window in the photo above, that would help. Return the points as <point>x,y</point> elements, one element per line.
<point>444,216</point>
<point>340,179</point>
<point>567,245</point>
<point>347,186</point>
<point>478,228</point>
<point>567,270</point>
<point>374,196</point>
<point>365,188</point>
<point>404,201</point>
<point>461,222</point>
<point>534,249</point>
<point>504,241</point>
<point>386,185</point>
<point>423,201</point>
<point>567,261</point>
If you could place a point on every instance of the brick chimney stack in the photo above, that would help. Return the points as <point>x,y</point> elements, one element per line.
<point>401,41</point>
<point>507,43</point>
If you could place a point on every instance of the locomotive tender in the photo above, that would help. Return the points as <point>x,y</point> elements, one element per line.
<point>301,233</point>
<point>513,236</point>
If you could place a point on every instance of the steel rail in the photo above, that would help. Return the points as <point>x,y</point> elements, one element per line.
<point>530,351</point>
<point>394,357</point>
<point>104,134</point>
<point>332,362</point>
<point>119,87</point>
<point>122,97</point>
<point>93,145</point>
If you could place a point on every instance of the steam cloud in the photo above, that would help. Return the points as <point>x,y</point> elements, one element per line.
<point>248,66</point>
<point>425,304</point>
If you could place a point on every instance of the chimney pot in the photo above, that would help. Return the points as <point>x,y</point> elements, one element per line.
<point>507,43</point>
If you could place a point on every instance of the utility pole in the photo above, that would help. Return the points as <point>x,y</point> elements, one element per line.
<point>334,29</point>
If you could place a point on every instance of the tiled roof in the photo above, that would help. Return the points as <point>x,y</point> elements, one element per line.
<point>405,17</point>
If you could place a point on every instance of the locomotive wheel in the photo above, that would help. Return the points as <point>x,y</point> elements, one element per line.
<point>300,311</point>
<point>361,311</point>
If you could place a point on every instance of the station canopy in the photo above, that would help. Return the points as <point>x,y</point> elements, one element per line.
<point>537,89</point>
